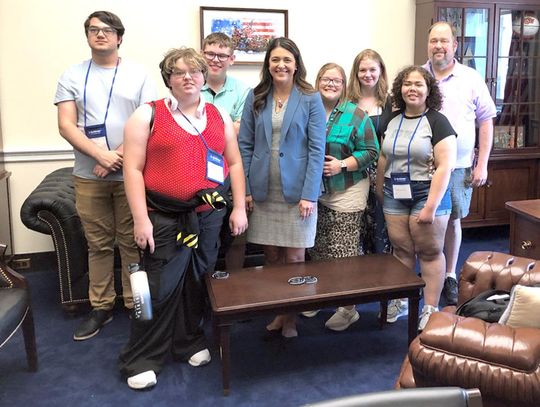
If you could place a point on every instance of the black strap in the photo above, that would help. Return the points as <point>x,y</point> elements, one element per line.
<point>153,105</point>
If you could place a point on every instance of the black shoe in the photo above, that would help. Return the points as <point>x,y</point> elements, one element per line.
<point>450,291</point>
<point>92,324</point>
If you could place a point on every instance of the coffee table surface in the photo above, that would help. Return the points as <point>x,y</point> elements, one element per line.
<point>258,288</point>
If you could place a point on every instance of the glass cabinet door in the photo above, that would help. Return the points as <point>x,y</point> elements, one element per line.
<point>472,29</point>
<point>517,93</point>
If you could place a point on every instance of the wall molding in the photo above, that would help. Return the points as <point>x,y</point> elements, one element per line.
<point>9,157</point>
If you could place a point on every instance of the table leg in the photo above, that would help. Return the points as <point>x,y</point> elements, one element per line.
<point>413,316</point>
<point>383,308</point>
<point>225,349</point>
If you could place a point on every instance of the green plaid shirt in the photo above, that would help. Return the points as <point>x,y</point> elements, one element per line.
<point>349,131</point>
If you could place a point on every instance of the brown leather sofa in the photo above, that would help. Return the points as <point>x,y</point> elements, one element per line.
<point>501,361</point>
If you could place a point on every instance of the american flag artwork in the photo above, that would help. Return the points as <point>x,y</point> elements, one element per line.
<point>248,35</point>
<point>250,29</point>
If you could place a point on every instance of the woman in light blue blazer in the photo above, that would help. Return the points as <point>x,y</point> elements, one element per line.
<point>282,141</point>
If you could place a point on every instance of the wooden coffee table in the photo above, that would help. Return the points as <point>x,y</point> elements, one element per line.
<point>264,290</point>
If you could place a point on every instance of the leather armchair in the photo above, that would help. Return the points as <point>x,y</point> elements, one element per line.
<point>501,361</point>
<point>15,310</point>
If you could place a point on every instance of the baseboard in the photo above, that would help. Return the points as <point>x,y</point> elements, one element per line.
<point>29,262</point>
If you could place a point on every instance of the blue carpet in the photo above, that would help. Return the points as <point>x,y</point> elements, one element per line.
<point>318,365</point>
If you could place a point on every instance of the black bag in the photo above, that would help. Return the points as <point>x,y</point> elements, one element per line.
<point>489,310</point>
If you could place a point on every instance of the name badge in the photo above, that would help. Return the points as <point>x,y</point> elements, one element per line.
<point>214,167</point>
<point>97,133</point>
<point>401,185</point>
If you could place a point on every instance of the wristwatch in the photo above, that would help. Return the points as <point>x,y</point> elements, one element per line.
<point>343,165</point>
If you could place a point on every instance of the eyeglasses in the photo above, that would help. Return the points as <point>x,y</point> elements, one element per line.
<point>335,81</point>
<point>105,30</point>
<point>211,55</point>
<point>182,74</point>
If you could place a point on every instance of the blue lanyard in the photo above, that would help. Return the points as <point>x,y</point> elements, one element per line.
<point>110,92</point>
<point>196,129</point>
<point>410,141</point>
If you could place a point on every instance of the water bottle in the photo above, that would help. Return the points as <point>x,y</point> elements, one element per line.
<point>142,303</point>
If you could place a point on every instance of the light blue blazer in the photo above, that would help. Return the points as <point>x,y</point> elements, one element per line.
<point>301,148</point>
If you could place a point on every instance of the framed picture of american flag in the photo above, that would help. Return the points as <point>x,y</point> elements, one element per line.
<point>250,29</point>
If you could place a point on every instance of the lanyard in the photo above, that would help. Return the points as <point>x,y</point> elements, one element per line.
<point>196,129</point>
<point>410,141</point>
<point>110,92</point>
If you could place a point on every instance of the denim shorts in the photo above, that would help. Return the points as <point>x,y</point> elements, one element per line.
<point>420,191</point>
<point>460,192</point>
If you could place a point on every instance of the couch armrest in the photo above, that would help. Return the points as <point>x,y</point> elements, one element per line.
<point>50,209</point>
<point>466,352</point>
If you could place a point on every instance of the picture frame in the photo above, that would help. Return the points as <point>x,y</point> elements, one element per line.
<point>250,29</point>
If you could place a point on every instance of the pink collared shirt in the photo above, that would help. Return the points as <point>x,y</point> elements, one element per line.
<point>466,101</point>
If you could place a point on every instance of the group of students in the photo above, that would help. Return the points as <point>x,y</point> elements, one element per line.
<point>309,167</point>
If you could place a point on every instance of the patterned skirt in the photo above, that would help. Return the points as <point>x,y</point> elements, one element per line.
<point>338,234</point>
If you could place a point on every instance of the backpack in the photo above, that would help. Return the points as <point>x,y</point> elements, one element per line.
<point>488,305</point>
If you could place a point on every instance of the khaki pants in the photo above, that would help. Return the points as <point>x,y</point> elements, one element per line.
<point>106,219</point>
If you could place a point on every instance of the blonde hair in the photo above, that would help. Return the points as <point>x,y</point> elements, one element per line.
<point>354,90</point>
<point>191,57</point>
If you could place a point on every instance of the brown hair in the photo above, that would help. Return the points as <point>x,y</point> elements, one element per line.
<point>111,19</point>
<point>221,39</point>
<point>354,91</point>
<point>190,57</point>
<point>434,97</point>
<point>327,67</point>
<point>261,91</point>
<point>446,23</point>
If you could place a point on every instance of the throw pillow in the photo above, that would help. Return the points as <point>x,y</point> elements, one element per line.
<point>523,308</point>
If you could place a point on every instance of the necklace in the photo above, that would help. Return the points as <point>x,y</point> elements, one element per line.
<point>279,103</point>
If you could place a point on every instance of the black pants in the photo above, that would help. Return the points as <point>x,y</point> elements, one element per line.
<point>175,276</point>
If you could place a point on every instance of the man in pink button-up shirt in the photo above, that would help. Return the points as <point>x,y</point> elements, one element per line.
<point>467,102</point>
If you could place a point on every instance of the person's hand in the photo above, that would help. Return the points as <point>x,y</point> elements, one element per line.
<point>143,234</point>
<point>238,221</point>
<point>426,215</point>
<point>111,160</point>
<point>249,203</point>
<point>332,166</point>
<point>306,208</point>
<point>100,171</point>
<point>479,176</point>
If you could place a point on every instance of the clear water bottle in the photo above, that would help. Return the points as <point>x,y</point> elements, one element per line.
<point>142,303</point>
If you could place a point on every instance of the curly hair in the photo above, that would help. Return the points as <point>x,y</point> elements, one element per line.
<point>191,57</point>
<point>434,97</point>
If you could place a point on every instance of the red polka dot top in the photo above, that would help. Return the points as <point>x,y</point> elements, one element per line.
<point>176,160</point>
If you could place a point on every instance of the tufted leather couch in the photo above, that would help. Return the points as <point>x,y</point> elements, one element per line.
<point>50,209</point>
<point>501,361</point>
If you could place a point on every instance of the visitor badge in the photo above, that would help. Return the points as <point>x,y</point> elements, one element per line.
<point>215,167</point>
<point>97,133</point>
<point>401,185</point>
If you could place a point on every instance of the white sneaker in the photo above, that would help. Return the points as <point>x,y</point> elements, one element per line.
<point>396,309</point>
<point>142,380</point>
<point>342,319</point>
<point>427,310</point>
<point>200,358</point>
<point>310,314</point>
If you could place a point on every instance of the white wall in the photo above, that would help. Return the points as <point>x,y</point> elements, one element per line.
<point>39,39</point>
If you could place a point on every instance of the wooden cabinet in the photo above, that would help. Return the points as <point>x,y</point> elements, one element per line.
<point>525,228</point>
<point>500,40</point>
